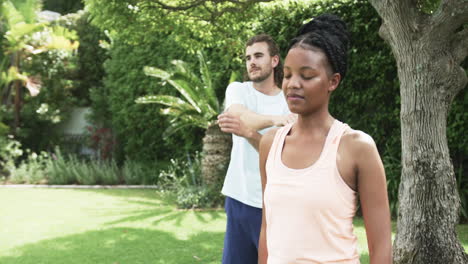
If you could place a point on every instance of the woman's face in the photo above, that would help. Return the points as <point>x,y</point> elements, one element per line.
<point>308,80</point>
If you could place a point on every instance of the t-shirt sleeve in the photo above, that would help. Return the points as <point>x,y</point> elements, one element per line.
<point>234,94</point>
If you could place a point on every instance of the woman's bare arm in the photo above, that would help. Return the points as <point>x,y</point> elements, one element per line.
<point>264,149</point>
<point>372,188</point>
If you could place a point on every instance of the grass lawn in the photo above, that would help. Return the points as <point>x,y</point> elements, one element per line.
<point>56,226</point>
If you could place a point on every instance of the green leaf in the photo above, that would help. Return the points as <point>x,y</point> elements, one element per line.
<point>181,85</point>
<point>208,84</point>
<point>10,14</point>
<point>186,90</point>
<point>171,130</point>
<point>167,100</point>
<point>156,72</point>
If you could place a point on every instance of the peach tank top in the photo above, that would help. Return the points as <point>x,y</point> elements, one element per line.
<point>309,212</point>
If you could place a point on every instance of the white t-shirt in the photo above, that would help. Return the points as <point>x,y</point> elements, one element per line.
<point>242,180</point>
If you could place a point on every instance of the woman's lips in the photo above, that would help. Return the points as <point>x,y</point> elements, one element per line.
<point>294,97</point>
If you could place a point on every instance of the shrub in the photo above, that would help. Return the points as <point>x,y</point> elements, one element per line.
<point>58,170</point>
<point>31,170</point>
<point>137,172</point>
<point>72,170</point>
<point>10,151</point>
<point>184,180</point>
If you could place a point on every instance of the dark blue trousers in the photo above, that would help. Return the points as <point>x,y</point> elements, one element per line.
<point>242,233</point>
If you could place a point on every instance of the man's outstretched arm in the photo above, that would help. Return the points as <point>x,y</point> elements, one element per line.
<point>257,121</point>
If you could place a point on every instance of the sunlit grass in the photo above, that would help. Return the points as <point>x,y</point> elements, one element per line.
<point>104,226</point>
<point>56,226</point>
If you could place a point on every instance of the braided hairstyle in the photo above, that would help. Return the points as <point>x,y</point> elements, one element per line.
<point>329,34</point>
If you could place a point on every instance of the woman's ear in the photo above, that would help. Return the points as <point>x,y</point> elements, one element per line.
<point>334,82</point>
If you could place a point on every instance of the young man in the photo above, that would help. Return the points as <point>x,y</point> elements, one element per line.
<point>251,108</point>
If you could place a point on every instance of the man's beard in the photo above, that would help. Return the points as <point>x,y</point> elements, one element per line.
<point>260,78</point>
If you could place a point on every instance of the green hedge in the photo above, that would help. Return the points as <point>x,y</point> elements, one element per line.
<point>139,128</point>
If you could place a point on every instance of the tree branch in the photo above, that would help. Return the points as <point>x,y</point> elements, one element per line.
<point>214,10</point>
<point>460,45</point>
<point>195,3</point>
<point>402,15</point>
<point>450,15</point>
<point>181,7</point>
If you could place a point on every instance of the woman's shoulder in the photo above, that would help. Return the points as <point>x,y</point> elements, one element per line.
<point>269,136</point>
<point>267,139</point>
<point>357,142</point>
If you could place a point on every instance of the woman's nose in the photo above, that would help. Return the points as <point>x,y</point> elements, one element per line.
<point>293,83</point>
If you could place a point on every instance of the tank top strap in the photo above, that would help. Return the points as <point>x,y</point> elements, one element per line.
<point>335,137</point>
<point>277,145</point>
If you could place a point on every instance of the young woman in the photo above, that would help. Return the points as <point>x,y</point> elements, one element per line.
<point>314,170</point>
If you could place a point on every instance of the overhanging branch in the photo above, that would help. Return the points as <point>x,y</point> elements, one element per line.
<point>213,8</point>
<point>450,15</point>
<point>196,3</point>
<point>460,45</point>
<point>182,7</point>
<point>402,15</point>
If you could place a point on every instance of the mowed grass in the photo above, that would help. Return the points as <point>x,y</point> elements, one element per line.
<point>56,226</point>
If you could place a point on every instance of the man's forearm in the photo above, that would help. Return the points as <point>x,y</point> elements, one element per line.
<point>256,121</point>
<point>251,119</point>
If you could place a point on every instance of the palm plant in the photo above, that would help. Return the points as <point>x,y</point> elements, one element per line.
<point>25,36</point>
<point>198,107</point>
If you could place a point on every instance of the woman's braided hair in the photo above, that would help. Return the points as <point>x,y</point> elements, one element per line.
<point>328,33</point>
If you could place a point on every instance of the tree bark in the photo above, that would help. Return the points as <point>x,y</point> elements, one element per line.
<point>428,54</point>
<point>216,154</point>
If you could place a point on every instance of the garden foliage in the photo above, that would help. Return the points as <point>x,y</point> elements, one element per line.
<point>138,34</point>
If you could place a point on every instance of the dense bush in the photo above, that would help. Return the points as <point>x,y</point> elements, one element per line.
<point>91,57</point>
<point>139,128</point>
<point>67,78</point>
<point>183,179</point>
<point>63,7</point>
<point>58,168</point>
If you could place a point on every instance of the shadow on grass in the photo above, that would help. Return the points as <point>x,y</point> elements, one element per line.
<point>121,245</point>
<point>156,205</point>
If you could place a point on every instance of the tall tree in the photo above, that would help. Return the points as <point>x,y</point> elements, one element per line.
<point>429,48</point>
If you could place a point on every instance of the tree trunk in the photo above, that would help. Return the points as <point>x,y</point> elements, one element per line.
<point>17,88</point>
<point>428,50</point>
<point>428,198</point>
<point>216,153</point>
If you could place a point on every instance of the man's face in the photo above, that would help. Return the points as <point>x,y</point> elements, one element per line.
<point>258,62</point>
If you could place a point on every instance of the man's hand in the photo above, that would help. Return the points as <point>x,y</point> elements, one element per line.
<point>232,123</point>
<point>283,120</point>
